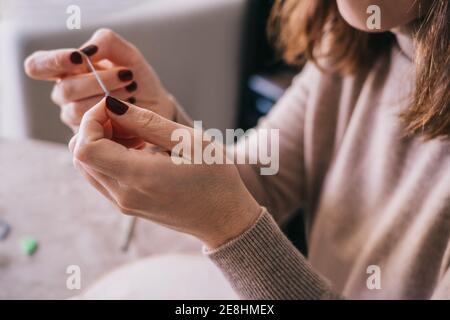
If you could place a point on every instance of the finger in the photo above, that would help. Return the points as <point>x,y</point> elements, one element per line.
<point>54,64</point>
<point>109,45</point>
<point>73,112</point>
<point>133,142</point>
<point>92,181</point>
<point>94,149</point>
<point>118,194</point>
<point>72,143</point>
<point>92,128</point>
<point>115,134</point>
<point>131,94</point>
<point>83,86</point>
<point>111,185</point>
<point>145,124</point>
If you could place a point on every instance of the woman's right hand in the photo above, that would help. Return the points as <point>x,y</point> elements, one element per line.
<point>121,66</point>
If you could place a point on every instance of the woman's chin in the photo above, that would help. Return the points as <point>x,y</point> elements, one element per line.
<point>363,27</point>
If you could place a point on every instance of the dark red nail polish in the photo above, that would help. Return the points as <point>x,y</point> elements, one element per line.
<point>90,50</point>
<point>76,57</point>
<point>131,87</point>
<point>125,75</point>
<point>116,106</point>
<point>131,100</point>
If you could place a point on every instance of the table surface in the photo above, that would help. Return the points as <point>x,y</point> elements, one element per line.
<point>42,195</point>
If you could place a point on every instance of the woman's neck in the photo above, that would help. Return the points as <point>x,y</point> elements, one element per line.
<point>405,37</point>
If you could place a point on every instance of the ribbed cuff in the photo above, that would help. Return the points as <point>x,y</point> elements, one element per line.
<point>263,264</point>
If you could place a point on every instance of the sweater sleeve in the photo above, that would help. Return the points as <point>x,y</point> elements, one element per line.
<point>263,264</point>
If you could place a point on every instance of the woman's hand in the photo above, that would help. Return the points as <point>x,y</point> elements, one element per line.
<point>120,65</point>
<point>207,201</point>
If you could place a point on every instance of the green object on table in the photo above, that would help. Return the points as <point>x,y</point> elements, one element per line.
<point>28,245</point>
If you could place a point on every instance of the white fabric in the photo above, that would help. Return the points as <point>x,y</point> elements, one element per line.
<point>176,277</point>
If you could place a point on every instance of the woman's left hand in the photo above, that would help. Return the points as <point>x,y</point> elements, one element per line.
<point>207,201</point>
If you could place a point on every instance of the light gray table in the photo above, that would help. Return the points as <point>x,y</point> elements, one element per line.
<point>42,195</point>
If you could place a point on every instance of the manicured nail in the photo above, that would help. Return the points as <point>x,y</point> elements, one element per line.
<point>76,57</point>
<point>131,87</point>
<point>90,50</point>
<point>131,100</point>
<point>125,75</point>
<point>116,106</point>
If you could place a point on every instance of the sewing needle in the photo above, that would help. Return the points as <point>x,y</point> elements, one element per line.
<point>132,223</point>
<point>99,80</point>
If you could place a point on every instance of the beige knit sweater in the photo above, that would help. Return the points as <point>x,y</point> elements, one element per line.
<point>371,197</point>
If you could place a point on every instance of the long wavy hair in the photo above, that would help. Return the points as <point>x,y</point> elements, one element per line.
<point>298,29</point>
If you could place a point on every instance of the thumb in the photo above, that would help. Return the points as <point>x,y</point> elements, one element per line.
<point>144,123</point>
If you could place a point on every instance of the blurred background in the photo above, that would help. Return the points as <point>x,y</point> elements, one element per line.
<point>212,55</point>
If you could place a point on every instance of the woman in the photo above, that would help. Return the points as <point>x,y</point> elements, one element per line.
<point>364,150</point>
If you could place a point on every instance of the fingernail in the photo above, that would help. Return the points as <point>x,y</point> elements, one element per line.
<point>76,57</point>
<point>116,106</point>
<point>125,75</point>
<point>131,100</point>
<point>90,50</point>
<point>131,87</point>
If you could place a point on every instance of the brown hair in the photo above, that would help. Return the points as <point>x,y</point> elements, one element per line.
<point>298,28</point>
